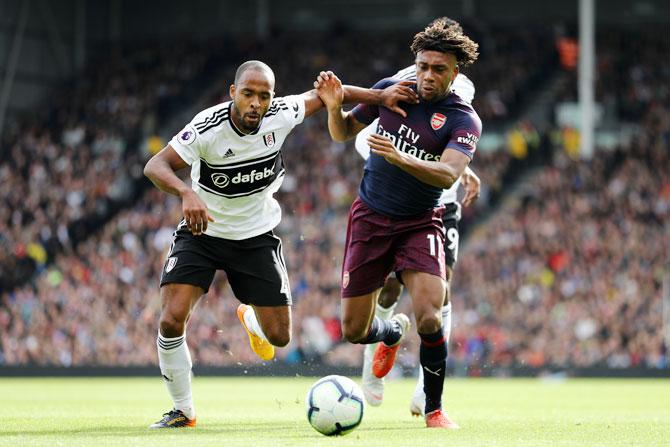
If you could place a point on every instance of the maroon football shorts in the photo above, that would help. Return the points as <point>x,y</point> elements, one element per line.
<point>377,244</point>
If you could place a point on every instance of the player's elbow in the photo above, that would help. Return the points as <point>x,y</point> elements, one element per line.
<point>338,137</point>
<point>150,168</point>
<point>147,169</point>
<point>446,180</point>
<point>448,176</point>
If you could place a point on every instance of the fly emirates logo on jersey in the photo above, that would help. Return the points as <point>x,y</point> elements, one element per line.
<point>405,140</point>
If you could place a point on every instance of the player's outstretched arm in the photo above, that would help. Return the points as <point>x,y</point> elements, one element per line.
<point>160,169</point>
<point>341,125</point>
<point>389,97</point>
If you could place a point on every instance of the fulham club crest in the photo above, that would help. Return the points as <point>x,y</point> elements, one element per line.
<point>169,265</point>
<point>437,121</point>
<point>269,139</point>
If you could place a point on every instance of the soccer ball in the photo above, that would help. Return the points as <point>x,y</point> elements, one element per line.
<point>335,405</point>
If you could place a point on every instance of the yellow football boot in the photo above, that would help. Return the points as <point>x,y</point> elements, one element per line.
<point>262,348</point>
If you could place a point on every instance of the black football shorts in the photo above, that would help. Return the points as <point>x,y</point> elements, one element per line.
<point>255,267</point>
<point>451,217</point>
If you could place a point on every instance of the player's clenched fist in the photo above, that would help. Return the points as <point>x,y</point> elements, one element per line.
<point>195,213</point>
<point>329,88</point>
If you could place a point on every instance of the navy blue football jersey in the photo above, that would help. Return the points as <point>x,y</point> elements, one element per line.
<point>428,130</point>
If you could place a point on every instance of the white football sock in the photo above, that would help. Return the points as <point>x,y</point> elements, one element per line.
<point>175,363</point>
<point>383,313</point>
<point>252,323</point>
<point>419,397</point>
<point>446,321</point>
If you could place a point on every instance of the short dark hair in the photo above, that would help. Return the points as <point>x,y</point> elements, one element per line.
<point>438,36</point>
<point>253,65</point>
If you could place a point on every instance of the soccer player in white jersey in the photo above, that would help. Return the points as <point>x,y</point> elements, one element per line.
<point>373,387</point>
<point>234,151</point>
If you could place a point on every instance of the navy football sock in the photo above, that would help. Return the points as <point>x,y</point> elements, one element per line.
<point>387,331</point>
<point>433,357</point>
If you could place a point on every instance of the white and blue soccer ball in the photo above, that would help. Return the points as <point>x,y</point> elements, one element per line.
<point>335,405</point>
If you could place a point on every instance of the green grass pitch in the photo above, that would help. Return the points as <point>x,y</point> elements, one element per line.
<point>270,412</point>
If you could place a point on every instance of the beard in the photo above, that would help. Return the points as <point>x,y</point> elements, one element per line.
<point>246,125</point>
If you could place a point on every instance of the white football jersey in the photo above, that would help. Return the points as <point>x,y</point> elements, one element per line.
<point>462,86</point>
<point>237,174</point>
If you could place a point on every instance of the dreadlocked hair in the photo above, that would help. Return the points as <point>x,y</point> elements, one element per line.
<point>447,22</point>
<point>439,36</point>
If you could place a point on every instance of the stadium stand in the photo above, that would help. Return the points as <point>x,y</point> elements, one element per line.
<point>72,165</point>
<point>519,293</point>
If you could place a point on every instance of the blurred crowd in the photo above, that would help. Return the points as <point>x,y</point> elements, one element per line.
<point>568,274</point>
<point>512,62</point>
<point>631,77</point>
<point>571,273</point>
<point>66,169</point>
<point>100,304</point>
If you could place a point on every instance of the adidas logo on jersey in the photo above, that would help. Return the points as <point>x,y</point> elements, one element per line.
<point>229,153</point>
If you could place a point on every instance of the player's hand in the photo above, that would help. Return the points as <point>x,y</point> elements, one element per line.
<point>400,92</point>
<point>329,88</point>
<point>472,186</point>
<point>195,213</point>
<point>383,146</point>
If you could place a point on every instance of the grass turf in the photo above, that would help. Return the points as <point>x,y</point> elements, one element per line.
<point>270,412</point>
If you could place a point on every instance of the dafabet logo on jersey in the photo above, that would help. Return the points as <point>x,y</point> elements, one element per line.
<point>220,180</point>
<point>242,178</point>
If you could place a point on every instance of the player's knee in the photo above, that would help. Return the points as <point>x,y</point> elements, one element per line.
<point>171,325</point>
<point>428,323</point>
<point>390,293</point>
<point>171,328</point>
<point>279,338</point>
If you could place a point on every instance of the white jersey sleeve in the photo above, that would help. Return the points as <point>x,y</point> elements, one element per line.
<point>187,143</point>
<point>362,139</point>
<point>291,109</point>
<point>464,88</point>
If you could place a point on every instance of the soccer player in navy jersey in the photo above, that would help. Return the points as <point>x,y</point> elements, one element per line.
<point>396,222</point>
<point>373,387</point>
